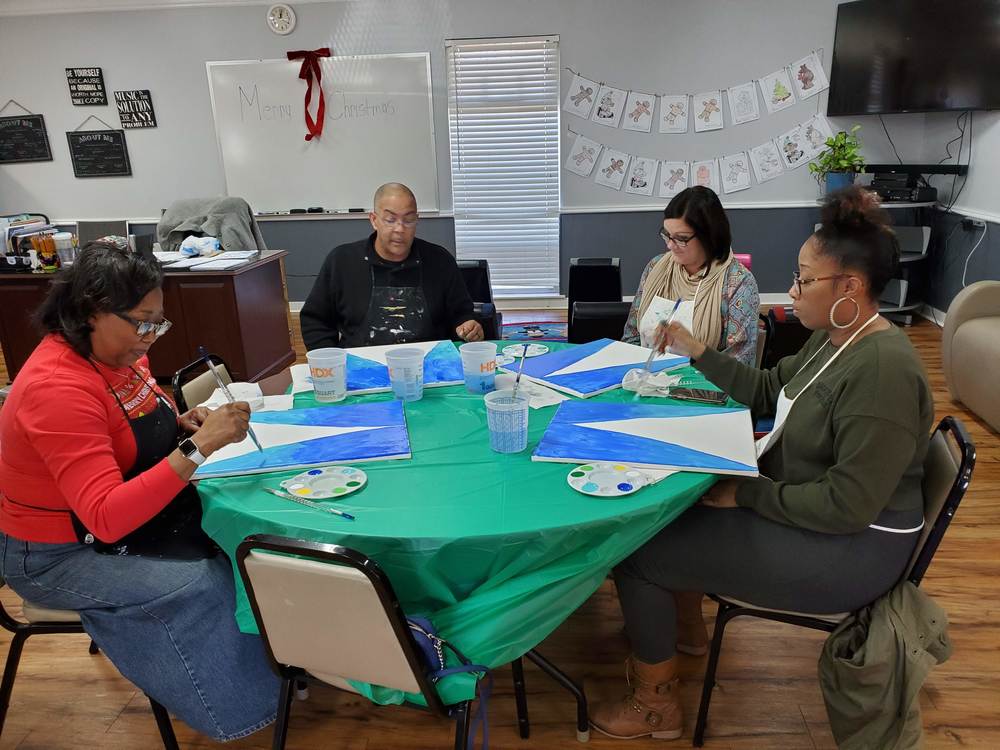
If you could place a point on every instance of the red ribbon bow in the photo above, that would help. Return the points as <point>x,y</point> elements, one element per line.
<point>308,72</point>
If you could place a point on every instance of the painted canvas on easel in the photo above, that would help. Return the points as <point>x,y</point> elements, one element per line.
<point>595,367</point>
<point>367,371</point>
<point>710,439</point>
<point>302,438</point>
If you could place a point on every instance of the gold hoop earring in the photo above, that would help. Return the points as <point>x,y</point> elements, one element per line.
<point>857,313</point>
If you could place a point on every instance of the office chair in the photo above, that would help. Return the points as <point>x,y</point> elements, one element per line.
<point>476,275</point>
<point>592,280</point>
<point>190,389</point>
<point>598,320</point>
<point>951,457</point>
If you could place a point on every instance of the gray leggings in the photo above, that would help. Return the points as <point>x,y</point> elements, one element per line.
<point>740,554</point>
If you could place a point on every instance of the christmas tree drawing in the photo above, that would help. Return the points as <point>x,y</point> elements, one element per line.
<point>780,93</point>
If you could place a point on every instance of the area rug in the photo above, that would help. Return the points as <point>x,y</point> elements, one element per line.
<point>535,330</point>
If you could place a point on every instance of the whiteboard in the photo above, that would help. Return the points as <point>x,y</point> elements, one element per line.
<point>378,128</point>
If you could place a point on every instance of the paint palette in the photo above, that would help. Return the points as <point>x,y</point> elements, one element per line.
<point>326,483</point>
<point>505,359</point>
<point>606,480</point>
<point>534,350</point>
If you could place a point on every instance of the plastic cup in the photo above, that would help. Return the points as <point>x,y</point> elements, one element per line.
<point>479,363</point>
<point>64,248</point>
<point>507,417</point>
<point>406,372</point>
<point>328,369</point>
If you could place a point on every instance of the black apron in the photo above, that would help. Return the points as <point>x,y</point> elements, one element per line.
<point>175,532</point>
<point>398,314</point>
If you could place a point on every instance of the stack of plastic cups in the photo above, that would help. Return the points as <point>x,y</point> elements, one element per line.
<point>479,364</point>
<point>328,370</point>
<point>507,417</point>
<point>406,372</point>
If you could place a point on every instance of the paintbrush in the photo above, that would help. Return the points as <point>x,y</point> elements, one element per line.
<point>308,503</point>
<point>226,393</point>
<point>652,352</point>
<point>517,380</point>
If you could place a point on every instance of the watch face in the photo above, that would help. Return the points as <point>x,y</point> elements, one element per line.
<point>281,19</point>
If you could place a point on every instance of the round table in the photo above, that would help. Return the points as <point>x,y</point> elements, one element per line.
<point>496,549</point>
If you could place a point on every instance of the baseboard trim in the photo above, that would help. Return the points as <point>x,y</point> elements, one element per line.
<point>932,314</point>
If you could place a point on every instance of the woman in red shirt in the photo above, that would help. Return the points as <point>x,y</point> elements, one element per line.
<point>96,510</point>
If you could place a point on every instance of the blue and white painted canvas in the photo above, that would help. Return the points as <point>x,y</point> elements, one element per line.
<point>594,367</point>
<point>711,439</point>
<point>302,438</point>
<point>367,371</point>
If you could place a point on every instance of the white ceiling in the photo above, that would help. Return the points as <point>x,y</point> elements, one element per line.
<point>44,7</point>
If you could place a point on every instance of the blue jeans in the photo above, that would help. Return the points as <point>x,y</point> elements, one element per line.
<point>167,625</point>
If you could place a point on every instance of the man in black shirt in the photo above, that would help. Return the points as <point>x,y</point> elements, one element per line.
<point>389,289</point>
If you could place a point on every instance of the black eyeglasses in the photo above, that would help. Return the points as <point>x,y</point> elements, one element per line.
<point>800,282</point>
<point>145,327</point>
<point>679,241</point>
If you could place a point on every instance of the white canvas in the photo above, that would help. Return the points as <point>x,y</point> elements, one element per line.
<point>639,112</point>
<point>776,89</point>
<point>580,97</point>
<point>743,105</point>
<point>706,174</point>
<point>735,172</point>
<point>610,105</point>
<point>674,113</point>
<point>766,161</point>
<point>674,177</point>
<point>583,156</point>
<point>791,146</point>
<point>611,168</point>
<point>641,176</point>
<point>707,108</point>
<point>810,78</point>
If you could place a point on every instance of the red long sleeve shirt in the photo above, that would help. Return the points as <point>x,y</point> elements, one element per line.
<point>65,445</point>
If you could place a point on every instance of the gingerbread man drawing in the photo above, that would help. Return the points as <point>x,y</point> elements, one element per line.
<point>703,176</point>
<point>584,95</point>
<point>711,106</point>
<point>676,175</point>
<point>736,168</point>
<point>792,151</point>
<point>585,154</point>
<point>616,165</point>
<point>641,110</point>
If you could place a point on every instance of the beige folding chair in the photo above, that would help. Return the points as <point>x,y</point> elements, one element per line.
<point>951,457</point>
<point>38,621</point>
<point>190,389</point>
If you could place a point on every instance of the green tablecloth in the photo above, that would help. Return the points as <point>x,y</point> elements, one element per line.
<point>496,549</point>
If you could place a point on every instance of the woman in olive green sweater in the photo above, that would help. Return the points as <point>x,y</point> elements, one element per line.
<point>830,524</point>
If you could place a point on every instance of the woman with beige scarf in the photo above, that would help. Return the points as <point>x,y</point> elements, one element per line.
<point>719,299</point>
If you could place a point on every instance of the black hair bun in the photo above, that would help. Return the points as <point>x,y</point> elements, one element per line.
<point>853,209</point>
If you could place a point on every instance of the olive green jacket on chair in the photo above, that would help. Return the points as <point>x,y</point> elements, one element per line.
<point>873,665</point>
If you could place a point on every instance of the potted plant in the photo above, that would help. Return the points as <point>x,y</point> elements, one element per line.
<point>840,161</point>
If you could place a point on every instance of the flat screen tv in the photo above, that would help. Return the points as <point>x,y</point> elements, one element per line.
<point>915,56</point>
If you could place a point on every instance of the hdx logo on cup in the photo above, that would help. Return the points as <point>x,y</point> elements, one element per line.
<point>328,370</point>
<point>479,363</point>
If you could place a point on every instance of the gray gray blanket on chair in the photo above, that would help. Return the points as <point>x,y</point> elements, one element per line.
<point>228,219</point>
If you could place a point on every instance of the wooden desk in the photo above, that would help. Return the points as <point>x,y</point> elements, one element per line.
<point>241,315</point>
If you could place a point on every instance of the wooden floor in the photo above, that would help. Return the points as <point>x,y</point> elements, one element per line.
<point>768,696</point>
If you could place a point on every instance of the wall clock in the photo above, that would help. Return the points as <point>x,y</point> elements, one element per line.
<point>281,18</point>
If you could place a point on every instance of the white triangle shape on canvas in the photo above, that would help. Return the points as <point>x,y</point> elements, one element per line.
<point>713,434</point>
<point>615,354</point>
<point>377,353</point>
<point>274,435</point>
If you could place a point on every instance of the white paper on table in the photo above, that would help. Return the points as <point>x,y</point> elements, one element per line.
<point>215,264</point>
<point>165,257</point>
<point>229,254</point>
<point>283,402</point>
<point>301,379</point>
<point>657,475</point>
<point>540,396</point>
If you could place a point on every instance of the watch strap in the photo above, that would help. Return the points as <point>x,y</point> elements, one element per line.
<point>190,450</point>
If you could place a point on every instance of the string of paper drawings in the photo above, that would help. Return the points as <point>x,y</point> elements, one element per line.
<point>634,110</point>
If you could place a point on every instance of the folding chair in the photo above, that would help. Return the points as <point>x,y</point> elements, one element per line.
<point>191,389</point>
<point>302,593</point>
<point>764,330</point>
<point>39,621</point>
<point>951,456</point>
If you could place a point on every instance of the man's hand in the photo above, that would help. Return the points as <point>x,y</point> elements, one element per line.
<point>722,494</point>
<point>470,330</point>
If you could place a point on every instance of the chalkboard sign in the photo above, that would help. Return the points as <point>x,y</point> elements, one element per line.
<point>24,139</point>
<point>86,86</point>
<point>135,109</point>
<point>99,153</point>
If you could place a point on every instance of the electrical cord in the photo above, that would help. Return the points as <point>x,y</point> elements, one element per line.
<point>890,139</point>
<point>968,163</point>
<point>961,135</point>
<point>986,228</point>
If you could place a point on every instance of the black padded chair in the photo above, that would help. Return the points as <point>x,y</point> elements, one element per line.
<point>476,275</point>
<point>598,320</point>
<point>40,621</point>
<point>951,457</point>
<point>193,383</point>
<point>788,335</point>
<point>765,329</point>
<point>592,280</point>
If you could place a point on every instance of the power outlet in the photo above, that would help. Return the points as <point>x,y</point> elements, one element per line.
<point>969,224</point>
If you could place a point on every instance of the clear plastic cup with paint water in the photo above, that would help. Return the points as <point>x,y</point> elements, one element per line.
<point>507,417</point>
<point>328,370</point>
<point>479,363</point>
<point>406,372</point>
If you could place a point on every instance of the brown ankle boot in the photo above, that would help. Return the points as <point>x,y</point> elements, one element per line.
<point>692,635</point>
<point>651,706</point>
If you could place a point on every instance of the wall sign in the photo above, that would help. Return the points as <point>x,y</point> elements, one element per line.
<point>135,109</point>
<point>24,138</point>
<point>99,153</point>
<point>86,86</point>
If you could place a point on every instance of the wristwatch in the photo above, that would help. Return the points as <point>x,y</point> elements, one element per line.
<point>190,450</point>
